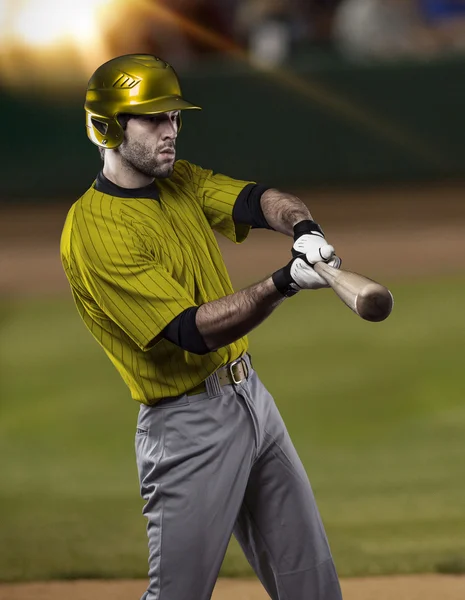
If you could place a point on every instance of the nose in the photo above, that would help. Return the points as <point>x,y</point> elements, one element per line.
<point>170,130</point>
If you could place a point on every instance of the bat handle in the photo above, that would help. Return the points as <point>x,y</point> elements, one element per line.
<point>324,270</point>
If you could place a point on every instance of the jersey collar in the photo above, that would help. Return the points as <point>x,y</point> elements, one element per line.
<point>102,184</point>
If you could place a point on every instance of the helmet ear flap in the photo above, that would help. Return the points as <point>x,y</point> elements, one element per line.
<point>104,132</point>
<point>100,126</point>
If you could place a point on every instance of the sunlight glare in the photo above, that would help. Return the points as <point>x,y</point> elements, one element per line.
<point>47,22</point>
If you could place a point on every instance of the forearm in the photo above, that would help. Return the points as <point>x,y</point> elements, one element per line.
<point>282,211</point>
<point>227,319</point>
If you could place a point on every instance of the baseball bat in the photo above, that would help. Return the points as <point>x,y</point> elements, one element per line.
<point>368,299</point>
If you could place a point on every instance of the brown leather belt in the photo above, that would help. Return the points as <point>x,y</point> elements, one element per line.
<point>234,372</point>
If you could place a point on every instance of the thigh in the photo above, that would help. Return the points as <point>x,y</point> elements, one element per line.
<point>279,526</point>
<point>194,461</point>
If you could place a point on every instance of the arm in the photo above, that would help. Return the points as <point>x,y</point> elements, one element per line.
<point>282,211</point>
<point>289,215</point>
<point>205,328</point>
<point>227,319</point>
<point>220,322</point>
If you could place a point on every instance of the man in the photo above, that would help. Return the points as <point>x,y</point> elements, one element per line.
<point>147,276</point>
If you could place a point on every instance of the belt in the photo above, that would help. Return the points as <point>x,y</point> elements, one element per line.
<point>234,372</point>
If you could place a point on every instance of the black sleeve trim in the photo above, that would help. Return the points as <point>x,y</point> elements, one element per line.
<point>183,332</point>
<point>247,209</point>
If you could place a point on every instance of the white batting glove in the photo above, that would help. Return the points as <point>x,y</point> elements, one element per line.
<point>309,239</point>
<point>298,275</point>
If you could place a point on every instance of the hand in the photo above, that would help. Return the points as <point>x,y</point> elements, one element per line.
<point>299,274</point>
<point>309,240</point>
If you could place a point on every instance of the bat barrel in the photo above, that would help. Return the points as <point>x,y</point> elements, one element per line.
<point>374,302</point>
<point>367,298</point>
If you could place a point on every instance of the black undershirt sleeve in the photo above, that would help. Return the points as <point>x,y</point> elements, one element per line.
<point>183,332</point>
<point>247,209</point>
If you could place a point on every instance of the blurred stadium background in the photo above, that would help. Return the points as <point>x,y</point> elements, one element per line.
<point>357,106</point>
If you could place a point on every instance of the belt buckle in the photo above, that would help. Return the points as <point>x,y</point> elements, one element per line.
<point>233,364</point>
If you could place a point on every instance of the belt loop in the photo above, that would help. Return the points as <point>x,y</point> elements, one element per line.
<point>248,359</point>
<point>212,386</point>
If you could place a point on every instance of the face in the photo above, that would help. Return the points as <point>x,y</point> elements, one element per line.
<point>149,143</point>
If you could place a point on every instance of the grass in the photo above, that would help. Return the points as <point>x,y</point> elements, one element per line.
<point>375,410</point>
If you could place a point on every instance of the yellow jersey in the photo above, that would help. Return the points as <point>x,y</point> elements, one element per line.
<point>136,263</point>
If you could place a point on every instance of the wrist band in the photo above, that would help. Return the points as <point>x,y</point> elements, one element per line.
<point>283,281</point>
<point>307,226</point>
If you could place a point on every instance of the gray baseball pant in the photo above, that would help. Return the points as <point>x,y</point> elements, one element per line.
<point>218,463</point>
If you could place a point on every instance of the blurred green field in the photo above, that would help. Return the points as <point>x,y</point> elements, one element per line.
<point>376,412</point>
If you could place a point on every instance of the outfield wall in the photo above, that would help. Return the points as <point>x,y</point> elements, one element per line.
<point>326,123</point>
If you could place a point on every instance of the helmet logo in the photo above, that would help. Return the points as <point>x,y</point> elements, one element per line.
<point>126,82</point>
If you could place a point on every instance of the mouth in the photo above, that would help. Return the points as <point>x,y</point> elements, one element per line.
<point>167,152</point>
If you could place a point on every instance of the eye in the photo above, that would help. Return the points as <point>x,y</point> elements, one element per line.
<point>147,118</point>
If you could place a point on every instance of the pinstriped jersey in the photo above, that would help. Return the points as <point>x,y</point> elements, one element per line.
<point>134,264</point>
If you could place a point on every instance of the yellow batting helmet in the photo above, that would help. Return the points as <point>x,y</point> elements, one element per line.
<point>137,84</point>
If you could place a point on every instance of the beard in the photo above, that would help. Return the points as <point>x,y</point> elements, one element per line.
<point>144,158</point>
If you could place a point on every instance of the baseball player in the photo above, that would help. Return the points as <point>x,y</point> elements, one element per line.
<point>138,248</point>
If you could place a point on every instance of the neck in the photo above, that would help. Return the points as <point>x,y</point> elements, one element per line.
<point>118,171</point>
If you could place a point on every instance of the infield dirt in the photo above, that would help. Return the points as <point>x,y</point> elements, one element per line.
<point>411,587</point>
